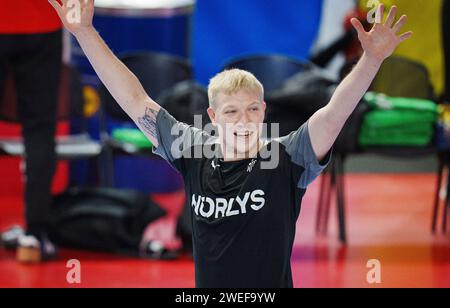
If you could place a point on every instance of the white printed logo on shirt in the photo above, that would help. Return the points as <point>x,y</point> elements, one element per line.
<point>221,207</point>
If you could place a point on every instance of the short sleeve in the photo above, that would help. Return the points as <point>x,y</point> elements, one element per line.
<point>299,148</point>
<point>175,139</point>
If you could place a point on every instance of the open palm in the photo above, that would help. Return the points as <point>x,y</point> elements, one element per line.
<point>382,40</point>
<point>75,17</point>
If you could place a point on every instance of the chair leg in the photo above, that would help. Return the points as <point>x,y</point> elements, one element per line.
<point>109,167</point>
<point>444,218</point>
<point>93,165</point>
<point>437,195</point>
<point>340,194</point>
<point>332,187</point>
<point>102,169</point>
<point>447,212</point>
<point>324,191</point>
<point>320,202</point>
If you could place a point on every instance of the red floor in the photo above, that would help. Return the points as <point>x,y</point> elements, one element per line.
<point>388,220</point>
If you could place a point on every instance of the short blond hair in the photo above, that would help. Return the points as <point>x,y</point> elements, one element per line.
<point>232,81</point>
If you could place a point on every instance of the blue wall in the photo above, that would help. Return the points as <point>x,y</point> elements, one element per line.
<point>223,29</point>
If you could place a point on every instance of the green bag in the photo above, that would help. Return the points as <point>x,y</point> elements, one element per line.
<point>398,121</point>
<point>132,136</point>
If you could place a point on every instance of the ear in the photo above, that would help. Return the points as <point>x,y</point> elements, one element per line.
<point>212,115</point>
<point>264,107</point>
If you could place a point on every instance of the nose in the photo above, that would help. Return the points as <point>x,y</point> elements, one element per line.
<point>244,118</point>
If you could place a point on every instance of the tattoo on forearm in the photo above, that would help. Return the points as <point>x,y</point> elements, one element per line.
<point>148,122</point>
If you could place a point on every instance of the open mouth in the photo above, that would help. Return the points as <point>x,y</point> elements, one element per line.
<point>243,134</point>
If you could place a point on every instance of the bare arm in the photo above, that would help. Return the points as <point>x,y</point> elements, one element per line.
<point>378,44</point>
<point>118,79</point>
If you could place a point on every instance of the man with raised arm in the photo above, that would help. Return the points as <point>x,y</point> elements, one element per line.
<point>244,210</point>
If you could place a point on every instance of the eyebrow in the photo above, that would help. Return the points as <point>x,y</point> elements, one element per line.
<point>235,106</point>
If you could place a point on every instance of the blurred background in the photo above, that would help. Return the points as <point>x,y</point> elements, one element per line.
<point>383,197</point>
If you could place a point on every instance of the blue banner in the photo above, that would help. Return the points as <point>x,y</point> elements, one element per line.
<point>224,29</point>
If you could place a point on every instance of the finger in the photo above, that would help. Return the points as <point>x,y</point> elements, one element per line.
<point>56,6</point>
<point>379,15</point>
<point>391,17</point>
<point>400,23</point>
<point>87,2</point>
<point>358,26</point>
<point>405,36</point>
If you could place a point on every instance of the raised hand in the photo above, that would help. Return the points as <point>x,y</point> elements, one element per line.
<point>75,15</point>
<point>380,42</point>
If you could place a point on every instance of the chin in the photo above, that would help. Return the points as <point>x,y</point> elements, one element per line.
<point>242,149</point>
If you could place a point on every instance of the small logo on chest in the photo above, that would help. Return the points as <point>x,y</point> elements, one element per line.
<point>214,165</point>
<point>251,165</point>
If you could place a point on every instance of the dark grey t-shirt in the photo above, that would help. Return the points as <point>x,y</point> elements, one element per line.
<point>244,213</point>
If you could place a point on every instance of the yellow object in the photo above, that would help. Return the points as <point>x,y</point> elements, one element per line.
<point>92,101</point>
<point>444,116</point>
<point>29,255</point>
<point>426,45</point>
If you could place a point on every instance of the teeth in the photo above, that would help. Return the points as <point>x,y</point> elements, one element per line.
<point>242,134</point>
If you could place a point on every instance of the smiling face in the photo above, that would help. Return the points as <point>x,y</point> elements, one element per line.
<point>237,109</point>
<point>238,117</point>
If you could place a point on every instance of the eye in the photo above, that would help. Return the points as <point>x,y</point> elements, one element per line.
<point>254,109</point>
<point>230,112</point>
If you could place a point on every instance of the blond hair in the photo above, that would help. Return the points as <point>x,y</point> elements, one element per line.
<point>232,81</point>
